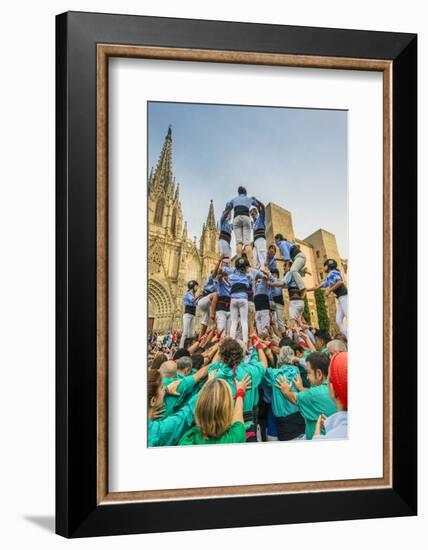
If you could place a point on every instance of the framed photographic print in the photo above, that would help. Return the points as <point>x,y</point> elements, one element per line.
<point>236,221</point>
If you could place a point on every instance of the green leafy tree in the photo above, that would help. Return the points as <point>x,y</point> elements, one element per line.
<point>323,319</point>
<point>307,312</point>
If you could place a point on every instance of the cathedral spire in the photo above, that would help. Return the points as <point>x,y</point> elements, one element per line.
<point>210,223</point>
<point>163,172</point>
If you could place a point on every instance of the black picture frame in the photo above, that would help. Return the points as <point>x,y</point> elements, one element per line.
<point>77,512</point>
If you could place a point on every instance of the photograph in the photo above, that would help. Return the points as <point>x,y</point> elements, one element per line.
<point>247,293</point>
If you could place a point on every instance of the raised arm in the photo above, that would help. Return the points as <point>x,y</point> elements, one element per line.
<point>321,285</point>
<point>201,374</point>
<point>241,387</point>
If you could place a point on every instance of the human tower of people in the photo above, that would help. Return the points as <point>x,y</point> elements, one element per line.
<point>250,375</point>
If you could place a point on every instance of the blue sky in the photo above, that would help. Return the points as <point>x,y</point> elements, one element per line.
<point>296,158</point>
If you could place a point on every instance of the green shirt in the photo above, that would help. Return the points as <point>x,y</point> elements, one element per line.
<point>281,406</point>
<point>253,368</point>
<point>234,434</point>
<point>313,402</point>
<point>167,431</point>
<point>173,402</point>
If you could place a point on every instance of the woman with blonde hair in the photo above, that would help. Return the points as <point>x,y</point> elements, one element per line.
<point>217,419</point>
<point>232,366</point>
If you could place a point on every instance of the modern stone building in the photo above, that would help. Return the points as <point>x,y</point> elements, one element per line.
<point>174,258</point>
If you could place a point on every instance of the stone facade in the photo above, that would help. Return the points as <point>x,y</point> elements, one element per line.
<point>174,258</point>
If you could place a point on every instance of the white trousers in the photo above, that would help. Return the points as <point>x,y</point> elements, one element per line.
<point>341,313</point>
<point>262,320</point>
<point>188,327</point>
<point>297,270</point>
<point>296,309</point>
<point>278,317</point>
<point>204,309</point>
<point>260,253</point>
<point>223,322</point>
<point>242,229</point>
<point>225,250</point>
<point>239,312</point>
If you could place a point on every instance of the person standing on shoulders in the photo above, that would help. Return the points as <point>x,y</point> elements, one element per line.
<point>259,234</point>
<point>189,302</point>
<point>277,303</point>
<point>334,283</point>
<point>240,282</point>
<point>224,249</point>
<point>271,258</point>
<point>241,222</point>
<point>294,260</point>
<point>204,301</point>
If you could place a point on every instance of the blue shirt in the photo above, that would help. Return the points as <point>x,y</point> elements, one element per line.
<point>225,225</point>
<point>336,426</point>
<point>332,278</point>
<point>223,287</point>
<point>271,263</point>
<point>209,285</point>
<point>189,298</point>
<point>238,277</point>
<point>284,248</point>
<point>275,290</point>
<point>259,222</point>
<point>260,284</point>
<point>241,200</point>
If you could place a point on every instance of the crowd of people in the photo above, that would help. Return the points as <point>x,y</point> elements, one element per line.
<point>252,373</point>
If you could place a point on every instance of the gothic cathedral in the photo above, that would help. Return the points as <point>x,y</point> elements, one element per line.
<point>173,258</point>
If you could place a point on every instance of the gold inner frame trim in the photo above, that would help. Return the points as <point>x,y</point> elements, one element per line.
<point>104,51</point>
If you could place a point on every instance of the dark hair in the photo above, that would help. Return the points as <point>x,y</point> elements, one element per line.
<point>296,347</point>
<point>157,361</point>
<point>285,342</point>
<point>197,361</point>
<point>319,361</point>
<point>272,246</point>
<point>274,271</point>
<point>181,352</point>
<point>323,335</point>
<point>279,237</point>
<point>231,352</point>
<point>342,337</point>
<point>242,190</point>
<point>154,380</point>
